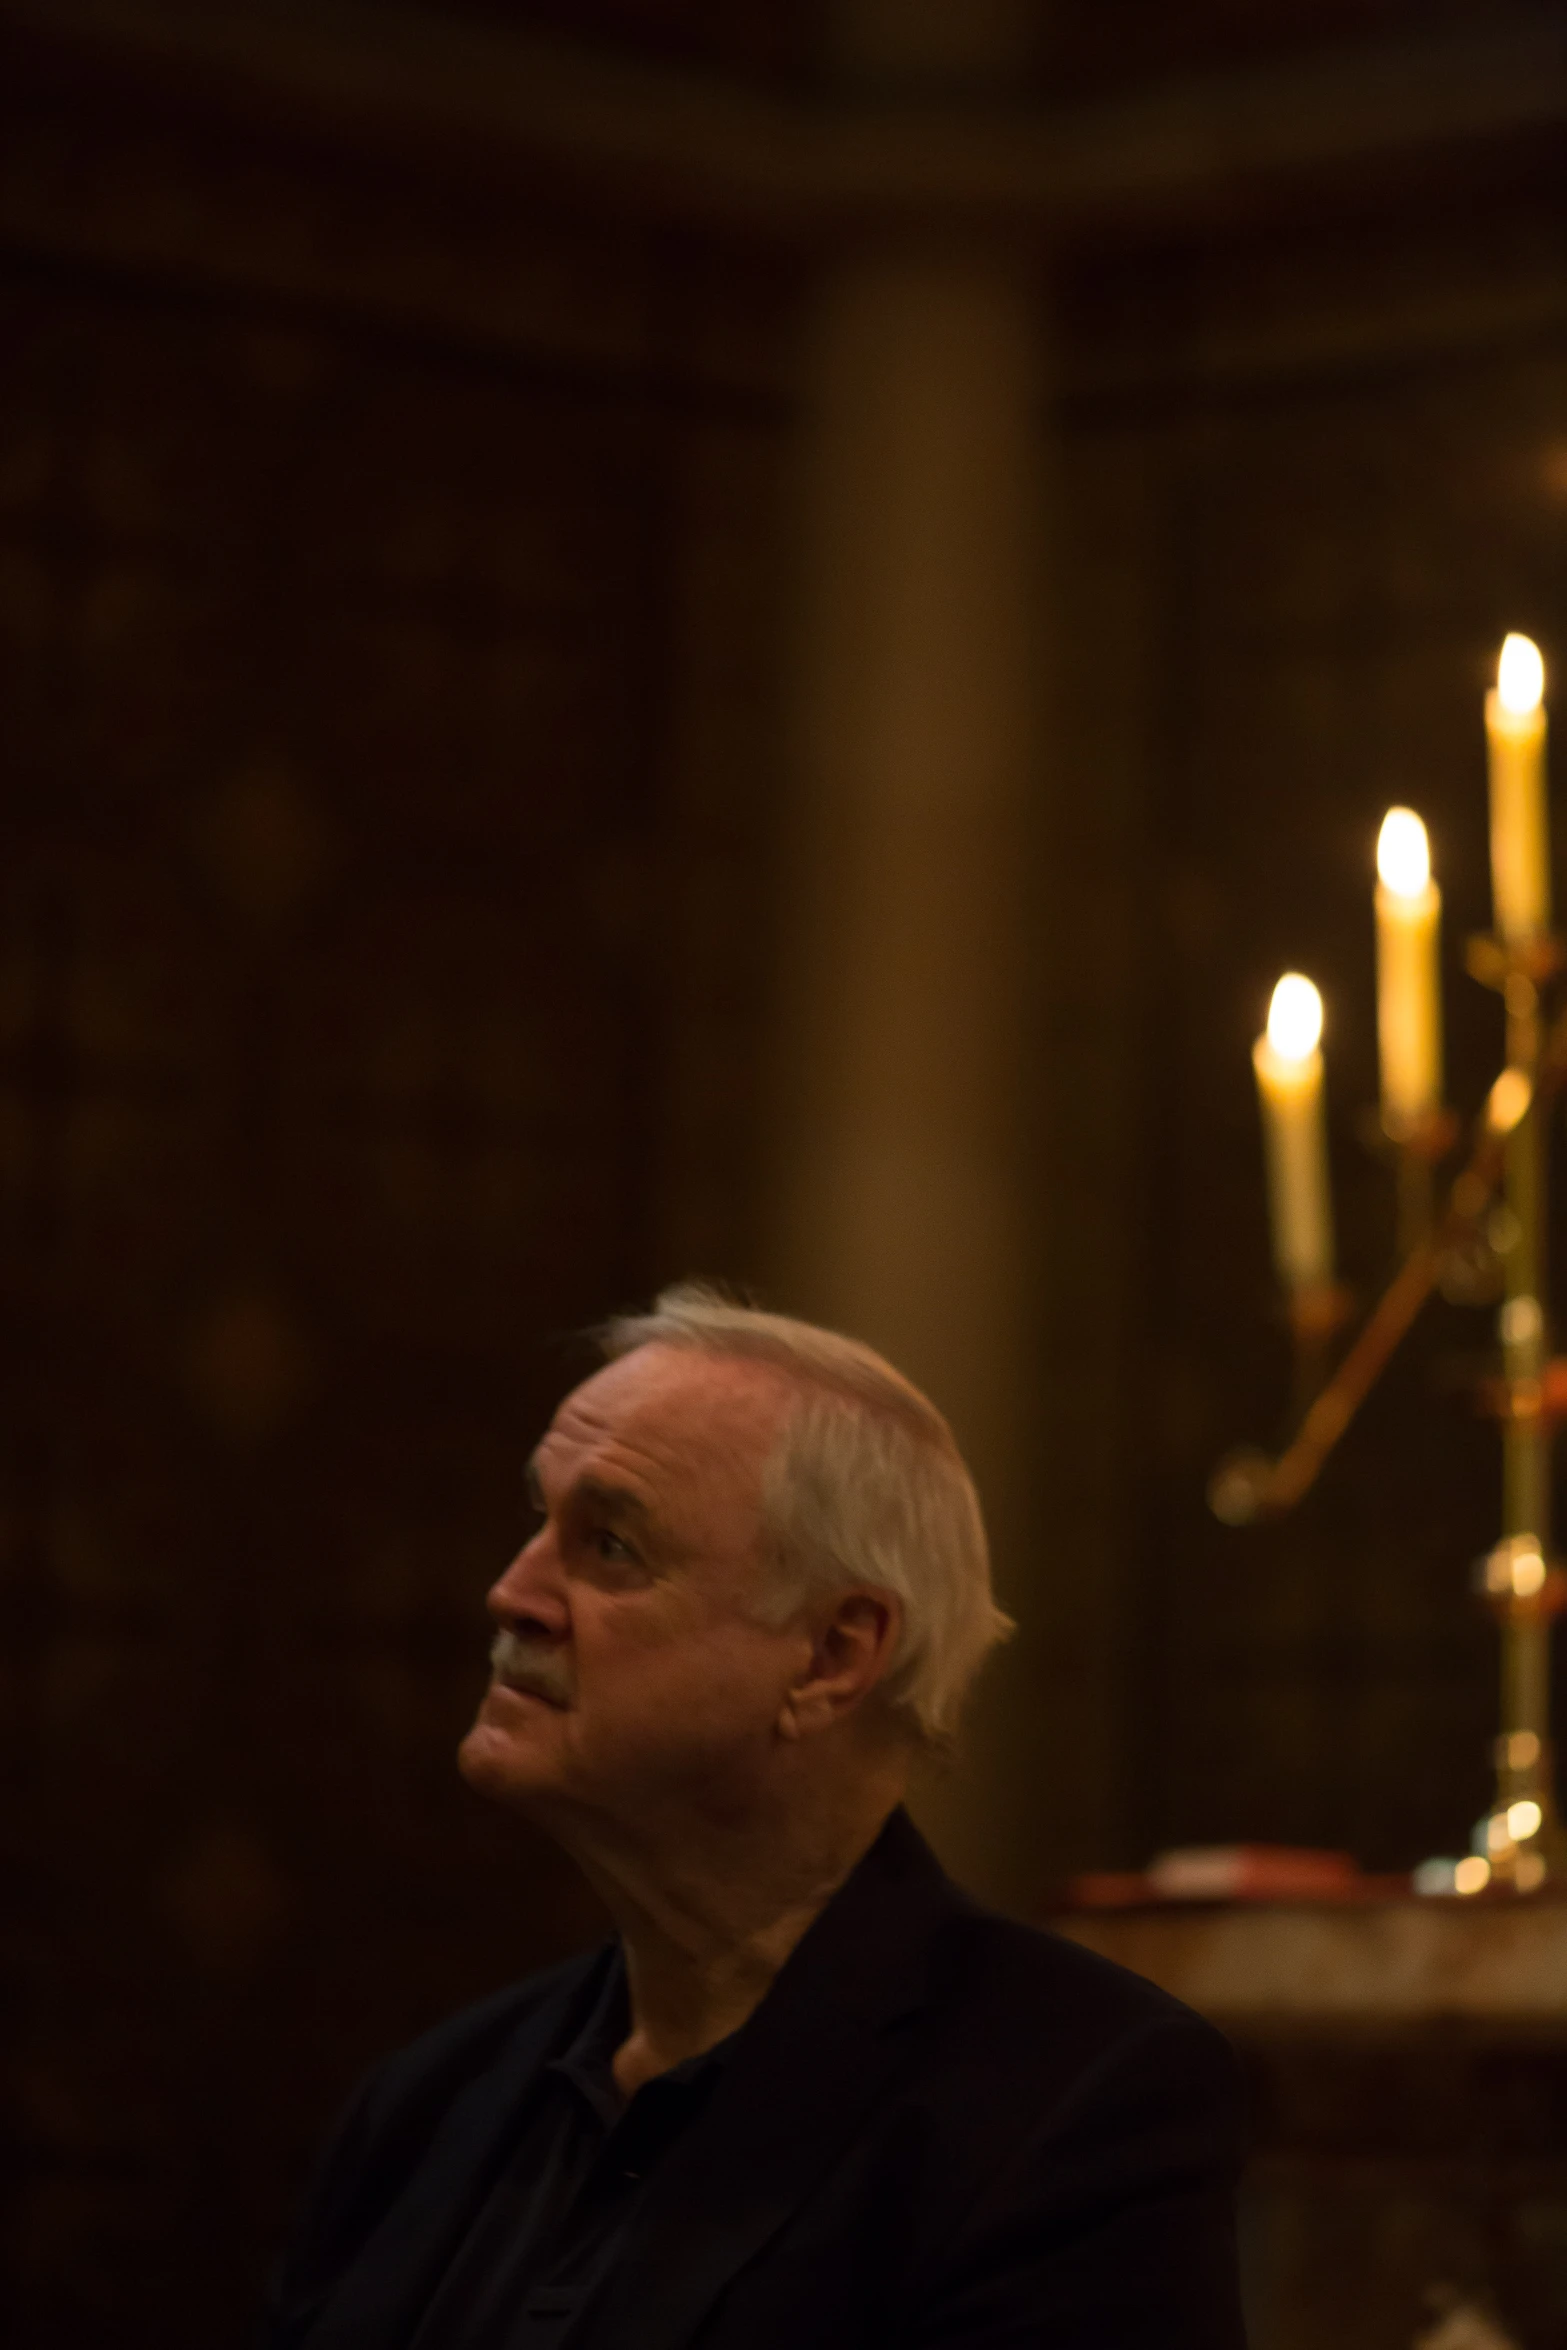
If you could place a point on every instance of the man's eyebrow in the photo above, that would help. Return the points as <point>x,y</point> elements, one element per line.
<point>614,1500</point>
<point>596,1493</point>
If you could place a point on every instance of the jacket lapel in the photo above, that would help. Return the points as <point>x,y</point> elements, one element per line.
<point>376,2305</point>
<point>820,2051</point>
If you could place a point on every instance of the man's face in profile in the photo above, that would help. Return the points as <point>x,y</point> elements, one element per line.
<point>629,1667</point>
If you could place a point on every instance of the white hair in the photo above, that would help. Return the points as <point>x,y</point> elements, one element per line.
<point>865,1487</point>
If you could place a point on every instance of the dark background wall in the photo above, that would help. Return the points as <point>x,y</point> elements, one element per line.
<point>386,716</point>
<point>394,561</point>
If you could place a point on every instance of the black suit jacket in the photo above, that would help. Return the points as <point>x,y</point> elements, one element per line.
<point>939,2128</point>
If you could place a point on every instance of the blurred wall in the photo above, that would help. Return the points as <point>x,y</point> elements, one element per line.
<point>381,980</point>
<point>400,557</point>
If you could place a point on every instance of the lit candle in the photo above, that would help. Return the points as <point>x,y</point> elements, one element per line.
<point>1520,842</point>
<point>1288,1063</point>
<point>1409,1001</point>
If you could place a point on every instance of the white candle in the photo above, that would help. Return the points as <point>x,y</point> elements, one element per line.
<point>1288,1063</point>
<point>1520,834</point>
<point>1409,998</point>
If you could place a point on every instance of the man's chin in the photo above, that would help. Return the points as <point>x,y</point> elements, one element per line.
<point>500,1765</point>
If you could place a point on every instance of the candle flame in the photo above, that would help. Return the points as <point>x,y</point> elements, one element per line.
<point>1294,1018</point>
<point>1520,675</point>
<point>1403,853</point>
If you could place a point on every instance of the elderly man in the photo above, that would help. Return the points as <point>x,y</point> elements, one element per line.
<point>810,2094</point>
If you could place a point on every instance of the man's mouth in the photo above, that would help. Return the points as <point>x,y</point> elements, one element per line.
<point>528,1674</point>
<point>527,1688</point>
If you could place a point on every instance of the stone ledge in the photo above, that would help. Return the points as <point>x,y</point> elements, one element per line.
<point>1394,1962</point>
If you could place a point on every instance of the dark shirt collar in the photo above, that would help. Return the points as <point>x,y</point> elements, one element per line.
<point>588,2063</point>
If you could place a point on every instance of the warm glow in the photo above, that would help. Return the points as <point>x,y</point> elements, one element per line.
<point>1294,1018</point>
<point>1528,1572</point>
<point>1520,1321</point>
<point>1520,676</point>
<point>1523,1819</point>
<point>1507,1101</point>
<point>1472,1875</point>
<point>1403,853</point>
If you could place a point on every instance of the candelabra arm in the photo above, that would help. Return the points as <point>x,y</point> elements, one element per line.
<point>1297,1468</point>
<point>1248,1486</point>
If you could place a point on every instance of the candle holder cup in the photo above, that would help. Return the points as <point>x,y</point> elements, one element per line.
<point>1494,961</point>
<point>1414,1146</point>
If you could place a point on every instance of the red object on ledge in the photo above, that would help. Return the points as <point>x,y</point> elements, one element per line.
<point>1232,1872</point>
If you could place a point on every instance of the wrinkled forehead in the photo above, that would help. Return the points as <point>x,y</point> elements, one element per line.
<point>678,1421</point>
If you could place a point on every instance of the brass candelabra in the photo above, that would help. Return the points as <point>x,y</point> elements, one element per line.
<point>1496,1201</point>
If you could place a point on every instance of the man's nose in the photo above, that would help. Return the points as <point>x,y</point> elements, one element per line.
<point>529,1594</point>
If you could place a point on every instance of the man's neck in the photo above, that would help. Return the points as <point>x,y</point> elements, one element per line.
<point>707,1918</point>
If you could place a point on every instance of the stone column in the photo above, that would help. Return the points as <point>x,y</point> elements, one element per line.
<point>900,1204</point>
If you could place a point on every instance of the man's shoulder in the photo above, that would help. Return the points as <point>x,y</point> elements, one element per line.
<point>902,1935</point>
<point>1042,2068</point>
<point>1013,2015</point>
<point>1038,2014</point>
<point>1017,1961</point>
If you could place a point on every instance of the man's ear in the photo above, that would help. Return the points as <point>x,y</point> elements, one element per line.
<point>851,1649</point>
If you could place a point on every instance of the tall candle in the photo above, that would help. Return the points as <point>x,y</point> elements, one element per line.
<point>1409,1000</point>
<point>1288,1063</point>
<point>1520,838</point>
